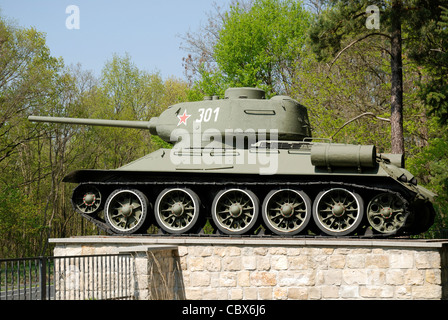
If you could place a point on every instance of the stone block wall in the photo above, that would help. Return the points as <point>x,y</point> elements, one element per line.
<point>241,272</point>
<point>239,269</point>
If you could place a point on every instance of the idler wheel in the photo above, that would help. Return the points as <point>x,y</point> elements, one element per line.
<point>338,212</point>
<point>125,211</point>
<point>286,211</point>
<point>177,210</point>
<point>235,211</point>
<point>87,199</point>
<point>386,213</point>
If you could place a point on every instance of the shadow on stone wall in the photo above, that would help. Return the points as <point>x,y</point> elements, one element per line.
<point>444,271</point>
<point>165,279</point>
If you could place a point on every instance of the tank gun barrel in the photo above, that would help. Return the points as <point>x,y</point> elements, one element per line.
<point>96,122</point>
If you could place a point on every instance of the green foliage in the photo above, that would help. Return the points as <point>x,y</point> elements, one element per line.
<point>335,25</point>
<point>131,93</point>
<point>429,165</point>
<point>403,26</point>
<point>433,54</point>
<point>211,83</point>
<point>425,34</point>
<point>345,21</point>
<point>27,73</point>
<point>20,224</point>
<point>258,46</point>
<point>337,95</point>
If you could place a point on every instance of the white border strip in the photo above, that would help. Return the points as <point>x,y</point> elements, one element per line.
<point>140,241</point>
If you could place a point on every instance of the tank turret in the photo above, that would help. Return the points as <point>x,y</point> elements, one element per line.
<point>243,112</point>
<point>247,163</point>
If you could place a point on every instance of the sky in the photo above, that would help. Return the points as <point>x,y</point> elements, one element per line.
<point>149,30</point>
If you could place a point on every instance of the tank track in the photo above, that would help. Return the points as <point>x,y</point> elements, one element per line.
<point>402,232</point>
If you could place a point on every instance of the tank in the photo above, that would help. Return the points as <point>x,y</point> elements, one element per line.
<point>248,165</point>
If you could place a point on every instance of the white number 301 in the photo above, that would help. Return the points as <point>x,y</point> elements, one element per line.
<point>206,114</point>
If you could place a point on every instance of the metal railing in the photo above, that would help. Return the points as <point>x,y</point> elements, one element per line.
<point>88,277</point>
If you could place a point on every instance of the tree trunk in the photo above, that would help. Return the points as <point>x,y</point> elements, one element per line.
<point>396,118</point>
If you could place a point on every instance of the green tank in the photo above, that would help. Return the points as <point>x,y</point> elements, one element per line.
<point>249,165</point>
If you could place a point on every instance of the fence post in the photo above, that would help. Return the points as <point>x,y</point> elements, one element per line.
<point>43,277</point>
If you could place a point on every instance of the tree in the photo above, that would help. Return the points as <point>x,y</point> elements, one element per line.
<point>27,72</point>
<point>28,78</point>
<point>254,43</point>
<point>125,93</point>
<point>343,26</point>
<point>260,46</point>
<point>354,86</point>
<point>432,54</point>
<point>429,165</point>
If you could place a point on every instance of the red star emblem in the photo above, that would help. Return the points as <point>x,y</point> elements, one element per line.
<point>183,118</point>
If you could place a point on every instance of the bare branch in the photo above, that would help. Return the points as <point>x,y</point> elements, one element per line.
<point>355,42</point>
<point>356,118</point>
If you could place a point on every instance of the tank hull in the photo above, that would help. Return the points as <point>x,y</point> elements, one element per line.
<point>324,193</point>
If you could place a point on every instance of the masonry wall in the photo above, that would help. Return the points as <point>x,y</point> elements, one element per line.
<point>236,272</point>
<point>237,269</point>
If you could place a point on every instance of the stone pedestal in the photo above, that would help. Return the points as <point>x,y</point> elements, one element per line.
<point>244,269</point>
